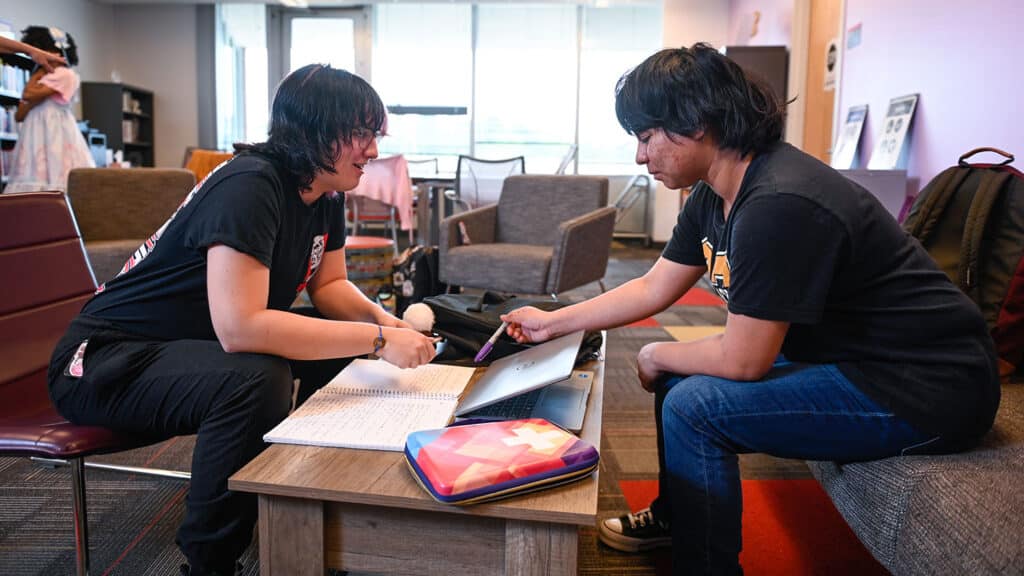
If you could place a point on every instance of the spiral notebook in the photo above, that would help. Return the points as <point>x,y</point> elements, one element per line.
<point>374,405</point>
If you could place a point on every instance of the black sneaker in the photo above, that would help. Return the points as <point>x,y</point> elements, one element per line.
<point>634,532</point>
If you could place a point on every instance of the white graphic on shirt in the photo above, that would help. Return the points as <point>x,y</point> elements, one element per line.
<point>316,255</point>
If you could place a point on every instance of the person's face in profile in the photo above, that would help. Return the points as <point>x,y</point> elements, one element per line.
<point>674,160</point>
<point>352,161</point>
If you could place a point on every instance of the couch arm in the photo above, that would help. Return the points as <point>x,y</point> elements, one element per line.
<point>581,251</point>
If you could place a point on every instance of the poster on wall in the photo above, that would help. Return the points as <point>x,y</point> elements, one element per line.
<point>893,145</point>
<point>845,154</point>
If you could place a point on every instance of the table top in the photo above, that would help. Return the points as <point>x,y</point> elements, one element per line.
<point>382,478</point>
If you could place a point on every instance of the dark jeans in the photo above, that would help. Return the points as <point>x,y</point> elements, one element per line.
<point>809,412</point>
<point>165,389</point>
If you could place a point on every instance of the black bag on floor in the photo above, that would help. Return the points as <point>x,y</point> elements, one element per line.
<point>466,321</point>
<point>416,276</point>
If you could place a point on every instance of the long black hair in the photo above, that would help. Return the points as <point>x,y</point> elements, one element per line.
<point>316,108</point>
<point>687,90</point>
<point>40,37</point>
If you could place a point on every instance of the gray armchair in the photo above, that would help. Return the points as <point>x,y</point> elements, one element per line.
<point>546,234</point>
<point>118,209</point>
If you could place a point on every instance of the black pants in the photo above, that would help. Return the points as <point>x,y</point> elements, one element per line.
<point>162,389</point>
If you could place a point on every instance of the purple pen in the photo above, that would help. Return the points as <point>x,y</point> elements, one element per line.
<point>486,348</point>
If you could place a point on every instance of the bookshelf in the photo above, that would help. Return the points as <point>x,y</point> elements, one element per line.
<point>14,73</point>
<point>125,114</point>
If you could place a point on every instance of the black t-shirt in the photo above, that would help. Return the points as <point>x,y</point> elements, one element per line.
<point>803,244</point>
<point>247,204</point>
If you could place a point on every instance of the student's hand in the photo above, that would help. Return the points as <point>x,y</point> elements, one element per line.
<point>528,324</point>
<point>406,348</point>
<point>646,368</point>
<point>48,60</point>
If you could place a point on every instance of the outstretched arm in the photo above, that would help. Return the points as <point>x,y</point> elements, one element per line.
<point>48,60</point>
<point>34,93</point>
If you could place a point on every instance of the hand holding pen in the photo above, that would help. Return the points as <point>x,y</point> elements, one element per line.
<point>486,348</point>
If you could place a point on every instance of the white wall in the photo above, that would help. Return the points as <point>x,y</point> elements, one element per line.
<point>156,50</point>
<point>150,46</point>
<point>89,23</point>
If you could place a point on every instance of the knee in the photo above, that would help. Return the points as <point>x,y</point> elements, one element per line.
<point>690,403</point>
<point>267,386</point>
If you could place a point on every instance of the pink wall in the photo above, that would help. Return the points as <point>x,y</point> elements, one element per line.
<point>774,27</point>
<point>963,58</point>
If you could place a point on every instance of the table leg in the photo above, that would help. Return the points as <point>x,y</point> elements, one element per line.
<point>536,549</point>
<point>291,533</point>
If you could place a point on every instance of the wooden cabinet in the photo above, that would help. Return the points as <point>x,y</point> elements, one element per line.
<point>14,73</point>
<point>125,114</point>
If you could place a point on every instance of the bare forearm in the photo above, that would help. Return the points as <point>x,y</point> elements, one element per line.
<point>297,337</point>
<point>634,300</point>
<point>342,300</point>
<point>707,356</point>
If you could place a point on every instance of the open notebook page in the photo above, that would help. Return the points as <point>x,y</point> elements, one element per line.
<point>377,377</point>
<point>356,421</point>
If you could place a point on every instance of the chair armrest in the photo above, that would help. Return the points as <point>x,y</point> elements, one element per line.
<point>481,227</point>
<point>582,249</point>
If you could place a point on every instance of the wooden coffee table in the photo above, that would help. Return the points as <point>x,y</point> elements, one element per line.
<point>362,511</point>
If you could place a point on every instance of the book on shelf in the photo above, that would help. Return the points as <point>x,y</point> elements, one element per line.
<point>374,405</point>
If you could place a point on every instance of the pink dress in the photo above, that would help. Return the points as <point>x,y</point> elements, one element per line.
<point>49,143</point>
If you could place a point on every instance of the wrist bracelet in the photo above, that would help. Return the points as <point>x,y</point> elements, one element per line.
<point>379,341</point>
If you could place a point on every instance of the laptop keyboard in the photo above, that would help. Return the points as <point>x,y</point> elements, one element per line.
<point>510,408</point>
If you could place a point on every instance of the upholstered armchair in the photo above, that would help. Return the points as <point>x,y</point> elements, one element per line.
<point>546,234</point>
<point>118,209</point>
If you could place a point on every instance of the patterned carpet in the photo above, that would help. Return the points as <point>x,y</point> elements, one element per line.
<point>133,518</point>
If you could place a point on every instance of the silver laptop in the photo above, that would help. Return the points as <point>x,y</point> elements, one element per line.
<point>564,403</point>
<point>531,370</point>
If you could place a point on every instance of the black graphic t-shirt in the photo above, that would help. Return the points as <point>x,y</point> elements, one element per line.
<point>802,244</point>
<point>246,204</point>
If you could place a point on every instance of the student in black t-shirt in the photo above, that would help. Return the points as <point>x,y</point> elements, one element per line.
<point>195,335</point>
<point>843,340</point>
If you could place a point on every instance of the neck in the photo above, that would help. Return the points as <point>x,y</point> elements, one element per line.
<point>725,175</point>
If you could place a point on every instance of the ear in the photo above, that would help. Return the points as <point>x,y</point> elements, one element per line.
<point>698,135</point>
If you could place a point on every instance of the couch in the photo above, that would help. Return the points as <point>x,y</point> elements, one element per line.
<point>118,209</point>
<point>950,514</point>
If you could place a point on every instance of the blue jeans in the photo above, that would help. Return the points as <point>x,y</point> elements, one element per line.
<point>803,411</point>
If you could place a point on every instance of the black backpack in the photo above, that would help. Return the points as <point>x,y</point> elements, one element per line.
<point>416,275</point>
<point>970,218</point>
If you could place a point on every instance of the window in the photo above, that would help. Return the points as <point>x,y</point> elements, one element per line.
<point>423,70</point>
<point>241,72</point>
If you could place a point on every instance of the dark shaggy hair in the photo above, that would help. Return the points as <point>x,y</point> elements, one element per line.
<point>686,90</point>
<point>39,37</point>
<point>315,108</point>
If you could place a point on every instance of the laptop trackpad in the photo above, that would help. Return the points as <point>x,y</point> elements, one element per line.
<point>565,402</point>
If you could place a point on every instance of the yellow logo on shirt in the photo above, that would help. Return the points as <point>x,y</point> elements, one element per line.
<point>718,266</point>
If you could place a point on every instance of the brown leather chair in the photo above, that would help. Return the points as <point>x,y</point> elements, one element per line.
<point>46,279</point>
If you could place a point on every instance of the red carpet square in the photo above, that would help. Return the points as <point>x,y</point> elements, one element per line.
<point>699,297</point>
<point>789,527</point>
<point>648,322</point>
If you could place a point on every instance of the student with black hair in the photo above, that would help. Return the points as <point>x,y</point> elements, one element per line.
<point>49,142</point>
<point>195,335</point>
<point>843,340</point>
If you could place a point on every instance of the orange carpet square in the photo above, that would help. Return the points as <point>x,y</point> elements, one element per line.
<point>648,322</point>
<point>699,297</point>
<point>789,527</point>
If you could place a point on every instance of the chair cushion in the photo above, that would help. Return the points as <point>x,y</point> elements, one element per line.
<point>30,426</point>
<point>949,514</point>
<point>107,257</point>
<point>520,268</point>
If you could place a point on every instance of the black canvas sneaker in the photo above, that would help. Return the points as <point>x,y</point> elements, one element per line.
<point>634,532</point>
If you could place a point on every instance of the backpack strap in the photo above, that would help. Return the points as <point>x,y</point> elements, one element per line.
<point>992,182</point>
<point>934,203</point>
